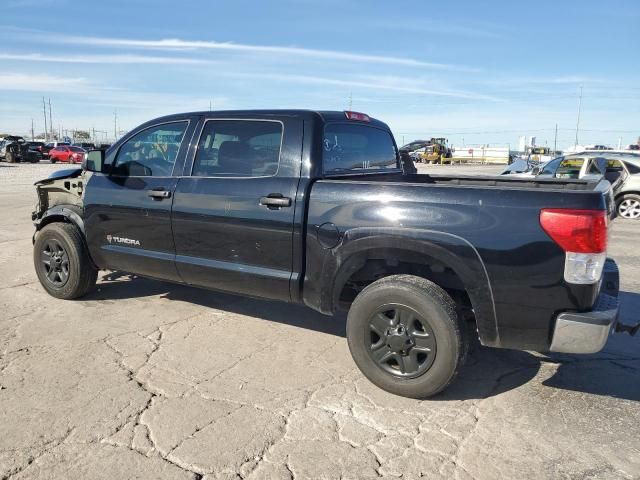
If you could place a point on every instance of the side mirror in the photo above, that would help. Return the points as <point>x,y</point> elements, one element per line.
<point>93,161</point>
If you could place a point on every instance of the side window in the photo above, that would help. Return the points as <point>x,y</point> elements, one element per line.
<point>150,153</point>
<point>569,168</point>
<point>614,170</point>
<point>238,148</point>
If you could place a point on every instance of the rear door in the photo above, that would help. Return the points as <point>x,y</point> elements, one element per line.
<point>128,212</point>
<point>233,211</point>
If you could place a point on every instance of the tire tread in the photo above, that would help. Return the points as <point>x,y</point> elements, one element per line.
<point>421,289</point>
<point>87,273</point>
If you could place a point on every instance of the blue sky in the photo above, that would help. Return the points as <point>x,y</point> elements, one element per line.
<point>478,72</point>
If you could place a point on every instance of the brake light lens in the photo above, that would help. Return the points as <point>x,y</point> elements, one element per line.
<point>362,117</point>
<point>582,234</point>
<point>579,231</point>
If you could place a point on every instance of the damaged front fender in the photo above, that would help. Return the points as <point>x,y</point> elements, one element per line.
<point>60,198</point>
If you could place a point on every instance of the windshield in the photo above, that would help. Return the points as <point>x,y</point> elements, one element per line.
<point>354,148</point>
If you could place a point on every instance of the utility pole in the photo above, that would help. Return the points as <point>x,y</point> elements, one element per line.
<point>50,121</point>
<point>44,111</point>
<point>555,141</point>
<point>115,124</point>
<point>350,100</point>
<point>32,135</point>
<point>578,121</point>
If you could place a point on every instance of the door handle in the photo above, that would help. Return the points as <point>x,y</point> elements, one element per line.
<point>275,201</point>
<point>159,194</point>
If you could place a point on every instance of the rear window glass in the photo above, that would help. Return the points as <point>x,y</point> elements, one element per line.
<point>354,148</point>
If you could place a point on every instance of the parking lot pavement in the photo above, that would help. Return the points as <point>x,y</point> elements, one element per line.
<point>144,379</point>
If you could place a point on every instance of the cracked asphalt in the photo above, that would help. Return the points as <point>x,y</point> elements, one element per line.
<point>144,379</point>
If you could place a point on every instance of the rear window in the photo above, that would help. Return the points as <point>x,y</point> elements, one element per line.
<point>76,149</point>
<point>355,148</point>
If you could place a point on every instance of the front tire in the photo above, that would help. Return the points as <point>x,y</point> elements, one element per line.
<point>62,261</point>
<point>404,335</point>
<point>10,157</point>
<point>628,206</point>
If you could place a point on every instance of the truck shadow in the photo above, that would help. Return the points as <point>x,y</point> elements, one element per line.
<point>488,372</point>
<point>117,285</point>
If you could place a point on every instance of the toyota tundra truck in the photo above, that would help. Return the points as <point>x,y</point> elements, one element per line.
<point>314,208</point>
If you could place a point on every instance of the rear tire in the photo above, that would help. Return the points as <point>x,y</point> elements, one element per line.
<point>404,335</point>
<point>62,261</point>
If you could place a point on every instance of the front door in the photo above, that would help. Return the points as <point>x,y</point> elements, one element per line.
<point>128,212</point>
<point>233,212</point>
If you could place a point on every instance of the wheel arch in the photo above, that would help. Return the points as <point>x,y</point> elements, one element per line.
<point>619,195</point>
<point>425,247</point>
<point>62,213</point>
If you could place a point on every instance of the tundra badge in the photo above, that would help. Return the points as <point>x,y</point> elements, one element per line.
<point>126,241</point>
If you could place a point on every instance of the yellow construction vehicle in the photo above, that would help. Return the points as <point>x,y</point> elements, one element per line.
<point>437,151</point>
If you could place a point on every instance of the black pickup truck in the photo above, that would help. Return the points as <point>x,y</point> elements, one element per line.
<point>314,208</point>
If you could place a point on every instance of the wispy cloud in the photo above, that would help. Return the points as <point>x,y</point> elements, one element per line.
<point>103,59</point>
<point>370,83</point>
<point>173,44</point>
<point>41,82</point>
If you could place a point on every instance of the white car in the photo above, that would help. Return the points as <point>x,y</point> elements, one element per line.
<point>579,166</point>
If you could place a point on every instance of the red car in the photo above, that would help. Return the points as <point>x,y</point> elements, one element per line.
<point>66,153</point>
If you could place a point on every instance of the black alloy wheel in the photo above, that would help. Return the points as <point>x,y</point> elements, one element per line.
<point>55,261</point>
<point>401,341</point>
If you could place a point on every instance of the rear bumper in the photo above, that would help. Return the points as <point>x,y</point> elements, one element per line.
<point>587,332</point>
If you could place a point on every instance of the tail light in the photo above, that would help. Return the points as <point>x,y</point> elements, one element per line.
<point>582,234</point>
<point>362,117</point>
